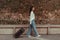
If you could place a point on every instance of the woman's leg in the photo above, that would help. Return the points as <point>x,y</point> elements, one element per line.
<point>34,28</point>
<point>29,30</point>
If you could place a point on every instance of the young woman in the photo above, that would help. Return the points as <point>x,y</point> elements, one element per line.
<point>32,23</point>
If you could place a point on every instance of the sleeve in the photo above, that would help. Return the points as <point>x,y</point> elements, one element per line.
<point>31,18</point>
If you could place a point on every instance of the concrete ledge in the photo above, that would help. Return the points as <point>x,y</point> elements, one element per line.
<point>22,25</point>
<point>28,25</point>
<point>42,29</point>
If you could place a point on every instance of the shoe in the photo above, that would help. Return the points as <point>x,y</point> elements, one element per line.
<point>29,36</point>
<point>38,36</point>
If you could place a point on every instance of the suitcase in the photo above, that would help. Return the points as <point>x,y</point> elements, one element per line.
<point>19,32</point>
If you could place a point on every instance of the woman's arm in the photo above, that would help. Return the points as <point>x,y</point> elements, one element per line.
<point>32,17</point>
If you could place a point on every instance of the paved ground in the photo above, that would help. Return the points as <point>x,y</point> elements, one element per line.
<point>43,37</point>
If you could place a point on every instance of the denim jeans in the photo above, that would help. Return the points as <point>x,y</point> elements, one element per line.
<point>32,26</point>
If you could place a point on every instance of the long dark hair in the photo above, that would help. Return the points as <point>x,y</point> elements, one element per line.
<point>30,9</point>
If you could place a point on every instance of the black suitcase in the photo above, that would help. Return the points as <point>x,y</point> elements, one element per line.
<point>19,32</point>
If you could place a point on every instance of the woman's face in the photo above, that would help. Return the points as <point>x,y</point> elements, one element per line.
<point>33,8</point>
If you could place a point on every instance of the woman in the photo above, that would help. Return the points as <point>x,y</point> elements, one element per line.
<point>32,23</point>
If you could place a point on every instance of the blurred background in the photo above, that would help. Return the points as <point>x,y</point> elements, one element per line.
<point>17,11</point>
<point>14,14</point>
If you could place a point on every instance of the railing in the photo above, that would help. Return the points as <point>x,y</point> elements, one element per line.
<point>47,27</point>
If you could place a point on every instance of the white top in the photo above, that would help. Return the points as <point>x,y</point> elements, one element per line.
<point>32,16</point>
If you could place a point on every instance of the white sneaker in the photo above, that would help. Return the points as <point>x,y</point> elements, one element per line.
<point>38,36</point>
<point>29,36</point>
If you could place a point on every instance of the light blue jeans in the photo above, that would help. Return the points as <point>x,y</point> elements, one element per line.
<point>33,26</point>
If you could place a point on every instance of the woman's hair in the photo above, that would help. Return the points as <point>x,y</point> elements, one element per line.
<point>30,9</point>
